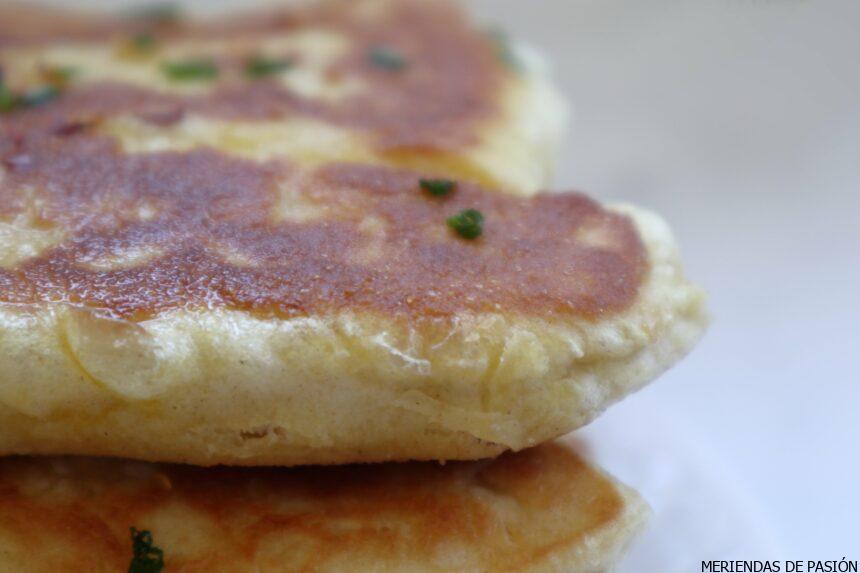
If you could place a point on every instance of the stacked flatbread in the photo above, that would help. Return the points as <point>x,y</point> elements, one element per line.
<point>308,236</point>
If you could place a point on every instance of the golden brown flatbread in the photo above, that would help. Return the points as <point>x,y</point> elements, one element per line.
<point>187,276</point>
<point>540,510</point>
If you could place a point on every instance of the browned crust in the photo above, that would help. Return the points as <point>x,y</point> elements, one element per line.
<point>448,86</point>
<point>537,255</point>
<point>381,244</point>
<point>505,514</point>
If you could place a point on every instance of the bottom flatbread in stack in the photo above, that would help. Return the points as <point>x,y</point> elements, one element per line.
<point>542,509</point>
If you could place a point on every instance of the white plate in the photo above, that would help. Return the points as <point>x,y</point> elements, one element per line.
<point>702,511</point>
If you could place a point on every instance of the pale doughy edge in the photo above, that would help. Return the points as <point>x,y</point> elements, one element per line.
<point>604,549</point>
<point>224,387</point>
<point>519,154</point>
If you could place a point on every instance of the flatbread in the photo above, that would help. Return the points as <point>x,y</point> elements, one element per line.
<point>541,510</point>
<point>404,83</point>
<point>219,299</point>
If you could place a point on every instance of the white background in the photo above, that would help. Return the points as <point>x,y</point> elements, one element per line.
<point>739,120</point>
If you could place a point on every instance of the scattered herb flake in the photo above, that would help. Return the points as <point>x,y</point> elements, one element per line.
<point>157,13</point>
<point>190,70</point>
<point>56,77</point>
<point>504,50</point>
<point>8,101</point>
<point>468,223</point>
<point>142,43</point>
<point>146,557</point>
<point>438,187</point>
<point>261,66</point>
<point>59,76</point>
<point>387,58</point>
<point>38,96</point>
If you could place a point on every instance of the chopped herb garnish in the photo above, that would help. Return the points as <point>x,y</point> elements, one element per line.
<point>260,66</point>
<point>469,223</point>
<point>11,101</point>
<point>144,42</point>
<point>56,77</point>
<point>387,58</point>
<point>190,70</point>
<point>504,50</point>
<point>38,96</point>
<point>8,101</point>
<point>438,187</point>
<point>59,76</point>
<point>158,13</point>
<point>146,557</point>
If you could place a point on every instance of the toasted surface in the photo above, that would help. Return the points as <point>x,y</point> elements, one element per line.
<point>330,355</point>
<point>451,102</point>
<point>187,302</point>
<point>538,510</point>
<point>145,234</point>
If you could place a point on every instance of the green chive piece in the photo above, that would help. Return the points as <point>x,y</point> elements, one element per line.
<point>59,76</point>
<point>190,70</point>
<point>260,66</point>
<point>39,96</point>
<point>157,13</point>
<point>8,101</point>
<point>504,51</point>
<point>438,187</point>
<point>146,557</point>
<point>387,58</point>
<point>468,223</point>
<point>143,42</point>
